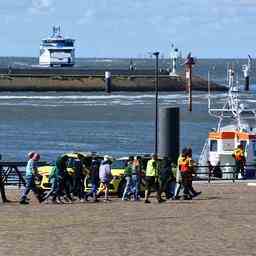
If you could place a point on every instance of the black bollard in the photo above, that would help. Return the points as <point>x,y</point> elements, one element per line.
<point>169,133</point>
<point>108,82</point>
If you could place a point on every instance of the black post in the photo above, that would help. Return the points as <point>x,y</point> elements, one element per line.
<point>156,54</point>
<point>169,132</point>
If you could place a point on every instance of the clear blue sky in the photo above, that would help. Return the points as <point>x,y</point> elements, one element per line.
<point>132,28</point>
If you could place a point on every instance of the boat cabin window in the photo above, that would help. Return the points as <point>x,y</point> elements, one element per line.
<point>213,145</point>
<point>244,143</point>
<point>228,145</point>
<point>254,147</point>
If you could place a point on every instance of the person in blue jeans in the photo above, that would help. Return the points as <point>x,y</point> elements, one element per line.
<point>136,171</point>
<point>31,171</point>
<point>128,180</point>
<point>56,179</point>
<point>94,176</point>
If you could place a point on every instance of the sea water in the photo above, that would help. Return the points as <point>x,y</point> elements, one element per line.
<point>118,124</point>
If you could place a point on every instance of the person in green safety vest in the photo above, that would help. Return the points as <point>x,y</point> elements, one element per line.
<point>151,179</point>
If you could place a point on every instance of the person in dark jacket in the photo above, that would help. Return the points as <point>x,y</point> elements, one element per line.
<point>94,176</point>
<point>77,182</point>
<point>56,179</point>
<point>165,172</point>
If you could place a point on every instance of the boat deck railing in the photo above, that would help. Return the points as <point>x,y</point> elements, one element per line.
<point>223,172</point>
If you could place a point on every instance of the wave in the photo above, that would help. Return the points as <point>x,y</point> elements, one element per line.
<point>89,97</point>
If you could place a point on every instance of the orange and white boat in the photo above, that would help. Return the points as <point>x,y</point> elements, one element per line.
<point>236,124</point>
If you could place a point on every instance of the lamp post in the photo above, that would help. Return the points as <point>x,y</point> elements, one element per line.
<point>156,54</point>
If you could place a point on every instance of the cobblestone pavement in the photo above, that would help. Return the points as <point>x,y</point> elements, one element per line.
<point>221,222</point>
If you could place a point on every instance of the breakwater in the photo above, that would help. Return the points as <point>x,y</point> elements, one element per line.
<point>39,79</point>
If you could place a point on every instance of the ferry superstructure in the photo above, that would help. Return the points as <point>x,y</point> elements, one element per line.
<point>236,125</point>
<point>57,50</point>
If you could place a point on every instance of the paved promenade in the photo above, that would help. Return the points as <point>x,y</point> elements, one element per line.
<point>221,221</point>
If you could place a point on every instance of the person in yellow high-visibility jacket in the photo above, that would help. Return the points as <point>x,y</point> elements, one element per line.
<point>151,177</point>
<point>240,160</point>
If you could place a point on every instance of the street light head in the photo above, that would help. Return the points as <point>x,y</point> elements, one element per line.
<point>156,53</point>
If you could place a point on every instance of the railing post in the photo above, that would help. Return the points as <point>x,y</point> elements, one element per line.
<point>209,172</point>
<point>234,174</point>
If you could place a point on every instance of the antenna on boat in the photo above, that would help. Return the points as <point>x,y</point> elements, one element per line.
<point>209,89</point>
<point>246,70</point>
<point>56,31</point>
<point>227,68</point>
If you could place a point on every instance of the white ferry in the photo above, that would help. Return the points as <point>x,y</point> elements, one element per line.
<point>57,50</point>
<point>236,124</point>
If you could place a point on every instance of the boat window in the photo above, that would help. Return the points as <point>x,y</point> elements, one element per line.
<point>254,147</point>
<point>42,51</point>
<point>228,145</point>
<point>69,44</point>
<point>213,145</point>
<point>244,143</point>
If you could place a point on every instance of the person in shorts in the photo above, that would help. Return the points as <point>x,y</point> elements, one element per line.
<point>105,176</point>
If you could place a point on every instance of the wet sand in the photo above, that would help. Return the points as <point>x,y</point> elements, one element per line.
<point>220,221</point>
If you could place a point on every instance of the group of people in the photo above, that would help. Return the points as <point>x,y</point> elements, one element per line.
<point>158,175</point>
<point>161,176</point>
<point>64,186</point>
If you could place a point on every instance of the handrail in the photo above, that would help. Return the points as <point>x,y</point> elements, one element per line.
<point>210,171</point>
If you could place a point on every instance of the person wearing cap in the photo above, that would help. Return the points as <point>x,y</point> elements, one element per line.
<point>31,171</point>
<point>151,178</point>
<point>105,176</point>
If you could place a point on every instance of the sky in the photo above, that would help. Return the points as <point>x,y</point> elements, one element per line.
<point>132,28</point>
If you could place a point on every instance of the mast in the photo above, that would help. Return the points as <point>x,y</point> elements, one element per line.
<point>232,108</point>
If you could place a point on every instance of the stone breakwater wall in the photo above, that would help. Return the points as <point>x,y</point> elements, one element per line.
<point>55,82</point>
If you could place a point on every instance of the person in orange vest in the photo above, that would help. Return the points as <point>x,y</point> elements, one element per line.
<point>240,160</point>
<point>184,168</point>
<point>192,191</point>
